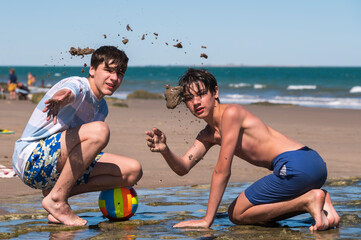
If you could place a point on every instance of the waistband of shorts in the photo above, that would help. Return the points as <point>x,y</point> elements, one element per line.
<point>279,156</point>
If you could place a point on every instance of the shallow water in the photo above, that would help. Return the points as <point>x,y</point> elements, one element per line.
<point>159,209</point>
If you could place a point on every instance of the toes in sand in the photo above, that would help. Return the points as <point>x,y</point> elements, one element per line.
<point>315,208</point>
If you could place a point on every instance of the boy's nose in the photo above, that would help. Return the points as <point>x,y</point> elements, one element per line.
<point>196,99</point>
<point>114,75</point>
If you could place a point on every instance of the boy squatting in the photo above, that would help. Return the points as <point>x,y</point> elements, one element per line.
<point>60,150</point>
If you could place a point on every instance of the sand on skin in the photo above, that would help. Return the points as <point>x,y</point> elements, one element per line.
<point>334,133</point>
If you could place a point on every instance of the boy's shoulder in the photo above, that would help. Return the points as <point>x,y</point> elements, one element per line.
<point>74,83</point>
<point>75,79</point>
<point>233,107</point>
<point>233,111</point>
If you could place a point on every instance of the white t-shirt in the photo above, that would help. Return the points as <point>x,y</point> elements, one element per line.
<point>85,108</point>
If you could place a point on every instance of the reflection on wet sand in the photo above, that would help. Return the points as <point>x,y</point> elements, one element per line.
<point>159,209</point>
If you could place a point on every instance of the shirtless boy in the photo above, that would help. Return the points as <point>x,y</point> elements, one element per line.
<point>60,149</point>
<point>298,171</point>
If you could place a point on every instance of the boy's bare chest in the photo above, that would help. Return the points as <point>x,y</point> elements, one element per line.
<point>216,139</point>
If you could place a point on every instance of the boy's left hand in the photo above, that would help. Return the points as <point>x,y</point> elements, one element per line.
<point>193,223</point>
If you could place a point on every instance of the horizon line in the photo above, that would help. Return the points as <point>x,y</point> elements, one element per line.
<point>204,66</point>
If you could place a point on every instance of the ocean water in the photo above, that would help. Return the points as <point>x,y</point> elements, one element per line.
<point>329,87</point>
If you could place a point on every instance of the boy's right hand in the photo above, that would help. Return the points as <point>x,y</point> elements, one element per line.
<point>156,140</point>
<point>55,103</point>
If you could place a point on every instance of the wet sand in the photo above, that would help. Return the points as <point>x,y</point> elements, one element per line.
<point>334,133</point>
<point>159,209</point>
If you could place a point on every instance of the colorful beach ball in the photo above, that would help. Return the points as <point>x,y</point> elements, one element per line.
<point>118,203</point>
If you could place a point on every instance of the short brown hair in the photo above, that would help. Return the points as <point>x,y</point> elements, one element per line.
<point>110,55</point>
<point>198,76</point>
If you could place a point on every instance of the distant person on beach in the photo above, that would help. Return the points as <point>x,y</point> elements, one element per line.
<point>22,91</point>
<point>298,171</point>
<point>42,83</point>
<point>31,79</point>
<point>12,83</point>
<point>60,150</point>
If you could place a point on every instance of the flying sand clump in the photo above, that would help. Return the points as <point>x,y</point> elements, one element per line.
<point>173,96</point>
<point>178,45</point>
<point>80,52</point>
<point>125,41</point>
<point>129,28</point>
<point>203,55</point>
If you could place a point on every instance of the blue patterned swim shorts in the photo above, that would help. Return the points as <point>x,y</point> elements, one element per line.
<point>40,170</point>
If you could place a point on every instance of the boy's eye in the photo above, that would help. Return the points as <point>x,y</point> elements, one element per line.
<point>110,70</point>
<point>188,98</point>
<point>203,92</point>
<point>120,73</point>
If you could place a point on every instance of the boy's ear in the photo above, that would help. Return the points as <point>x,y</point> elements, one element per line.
<point>216,93</point>
<point>91,71</point>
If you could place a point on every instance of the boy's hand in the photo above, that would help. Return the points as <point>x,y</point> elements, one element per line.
<point>156,140</point>
<point>193,223</point>
<point>54,104</point>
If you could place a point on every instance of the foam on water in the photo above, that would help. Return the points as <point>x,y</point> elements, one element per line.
<point>355,89</point>
<point>301,87</point>
<point>239,85</point>
<point>306,101</point>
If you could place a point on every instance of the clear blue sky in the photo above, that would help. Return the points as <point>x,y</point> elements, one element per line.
<point>252,32</point>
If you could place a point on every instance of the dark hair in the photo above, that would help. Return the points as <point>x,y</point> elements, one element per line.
<point>110,55</point>
<point>198,76</point>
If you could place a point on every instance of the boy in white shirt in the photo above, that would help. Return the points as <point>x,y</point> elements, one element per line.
<point>60,149</point>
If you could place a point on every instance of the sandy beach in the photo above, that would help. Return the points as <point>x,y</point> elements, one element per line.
<point>334,133</point>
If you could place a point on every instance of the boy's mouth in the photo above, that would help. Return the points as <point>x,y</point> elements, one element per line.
<point>110,86</point>
<point>199,110</point>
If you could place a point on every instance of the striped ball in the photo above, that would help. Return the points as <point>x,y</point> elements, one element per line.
<point>118,203</point>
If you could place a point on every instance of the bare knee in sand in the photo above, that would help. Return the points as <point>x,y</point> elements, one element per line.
<point>241,211</point>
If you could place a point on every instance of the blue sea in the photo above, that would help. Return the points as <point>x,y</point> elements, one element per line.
<point>328,87</point>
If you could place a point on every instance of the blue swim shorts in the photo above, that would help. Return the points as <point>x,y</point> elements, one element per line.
<point>40,169</point>
<point>294,173</point>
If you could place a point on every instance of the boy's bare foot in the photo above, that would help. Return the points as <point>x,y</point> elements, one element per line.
<point>62,212</point>
<point>52,219</point>
<point>315,208</point>
<point>332,216</point>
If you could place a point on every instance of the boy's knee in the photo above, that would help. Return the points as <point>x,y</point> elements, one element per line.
<point>231,213</point>
<point>235,219</point>
<point>234,216</point>
<point>100,132</point>
<point>136,172</point>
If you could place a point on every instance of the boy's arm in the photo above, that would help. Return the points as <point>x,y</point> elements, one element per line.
<point>231,124</point>
<point>60,99</point>
<point>156,141</point>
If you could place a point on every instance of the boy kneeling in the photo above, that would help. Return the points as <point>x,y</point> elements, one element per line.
<point>298,171</point>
